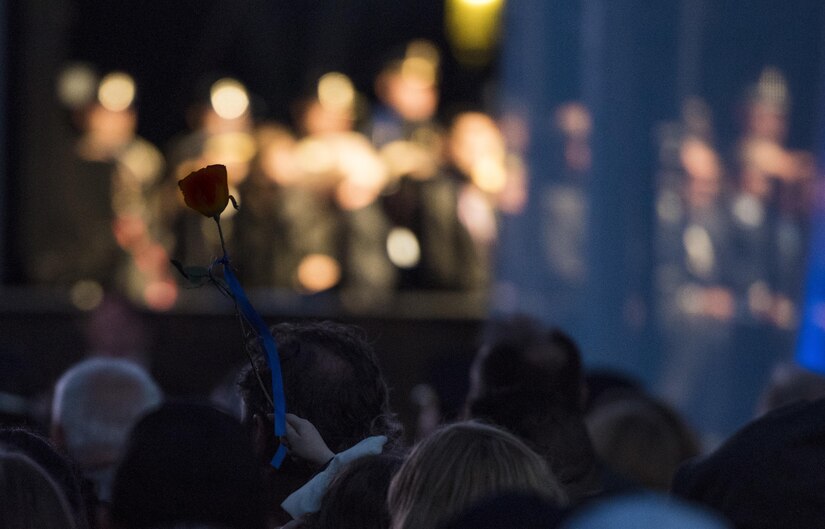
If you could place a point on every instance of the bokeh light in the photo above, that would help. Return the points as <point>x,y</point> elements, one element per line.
<point>116,91</point>
<point>229,98</point>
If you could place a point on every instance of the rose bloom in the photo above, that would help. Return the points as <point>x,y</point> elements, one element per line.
<point>206,190</point>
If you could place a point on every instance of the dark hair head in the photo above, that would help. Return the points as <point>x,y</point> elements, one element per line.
<point>331,378</point>
<point>555,433</point>
<point>60,469</point>
<point>357,496</point>
<point>766,476</point>
<point>790,383</point>
<point>29,497</point>
<point>188,462</point>
<point>520,354</point>
<point>642,439</point>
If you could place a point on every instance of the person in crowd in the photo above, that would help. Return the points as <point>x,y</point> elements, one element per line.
<point>188,463</point>
<point>332,380</point>
<point>306,444</point>
<point>520,353</point>
<point>459,465</point>
<point>641,439</point>
<point>514,510</point>
<point>528,378</point>
<point>79,497</point>
<point>558,435</point>
<point>357,497</point>
<point>17,388</point>
<point>606,384</point>
<point>644,511</point>
<point>29,497</point>
<point>768,474</point>
<point>96,403</point>
<point>790,383</point>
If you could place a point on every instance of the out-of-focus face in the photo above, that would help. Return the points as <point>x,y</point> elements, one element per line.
<point>277,159</point>
<point>474,137</point>
<point>110,125</point>
<point>319,119</point>
<point>415,99</point>
<point>703,172</point>
<point>767,121</point>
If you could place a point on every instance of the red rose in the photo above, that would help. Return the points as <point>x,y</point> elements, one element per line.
<point>206,190</point>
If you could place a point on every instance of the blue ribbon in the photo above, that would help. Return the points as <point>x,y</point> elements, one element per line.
<point>272,358</point>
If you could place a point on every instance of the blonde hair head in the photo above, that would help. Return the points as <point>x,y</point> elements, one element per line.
<point>459,465</point>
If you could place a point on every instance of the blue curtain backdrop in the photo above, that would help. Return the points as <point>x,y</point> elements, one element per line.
<point>617,57</point>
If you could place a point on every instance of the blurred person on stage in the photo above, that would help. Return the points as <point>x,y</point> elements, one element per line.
<point>340,228</point>
<point>221,125</point>
<point>264,235</point>
<point>429,244</point>
<point>565,207</point>
<point>110,235</point>
<point>697,304</point>
<point>769,214</point>
<point>477,168</point>
<point>408,97</point>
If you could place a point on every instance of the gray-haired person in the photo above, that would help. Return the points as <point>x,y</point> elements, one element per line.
<point>96,403</point>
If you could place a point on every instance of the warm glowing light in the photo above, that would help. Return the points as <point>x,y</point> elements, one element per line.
<point>116,91</point>
<point>318,272</point>
<point>336,92</point>
<point>473,28</point>
<point>231,147</point>
<point>364,175</point>
<point>489,174</point>
<point>229,98</point>
<point>76,85</point>
<point>315,156</point>
<point>86,295</point>
<point>403,248</point>
<point>143,161</point>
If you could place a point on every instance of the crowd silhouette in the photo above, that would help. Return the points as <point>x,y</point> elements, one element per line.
<point>541,443</point>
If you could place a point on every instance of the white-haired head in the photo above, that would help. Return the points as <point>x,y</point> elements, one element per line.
<point>96,403</point>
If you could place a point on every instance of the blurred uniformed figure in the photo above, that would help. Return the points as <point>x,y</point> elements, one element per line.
<point>696,302</point>
<point>770,211</point>
<point>565,207</point>
<point>221,125</point>
<point>428,243</point>
<point>111,233</point>
<point>263,238</point>
<point>339,179</point>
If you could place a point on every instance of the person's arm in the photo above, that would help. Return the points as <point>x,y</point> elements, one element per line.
<point>304,441</point>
